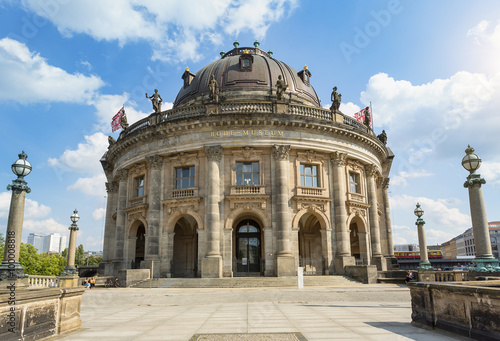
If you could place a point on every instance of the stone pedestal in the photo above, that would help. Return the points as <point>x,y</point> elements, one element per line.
<point>426,275</point>
<point>341,262</point>
<point>380,263</point>
<point>286,266</point>
<point>69,281</point>
<point>211,267</point>
<point>152,264</point>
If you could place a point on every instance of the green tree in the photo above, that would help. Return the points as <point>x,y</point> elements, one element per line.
<point>30,259</point>
<point>65,253</point>
<point>80,256</point>
<point>51,265</point>
<point>94,260</point>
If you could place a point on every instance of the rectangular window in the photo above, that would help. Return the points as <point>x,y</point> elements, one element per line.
<point>354,186</point>
<point>247,173</point>
<point>184,177</point>
<point>309,175</point>
<point>139,186</point>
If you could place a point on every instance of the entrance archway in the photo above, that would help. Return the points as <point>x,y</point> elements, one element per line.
<point>140,246</point>
<point>185,260</point>
<point>310,245</point>
<point>359,241</point>
<point>248,248</point>
<point>354,237</point>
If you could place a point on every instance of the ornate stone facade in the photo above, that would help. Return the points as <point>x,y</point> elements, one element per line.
<point>248,184</point>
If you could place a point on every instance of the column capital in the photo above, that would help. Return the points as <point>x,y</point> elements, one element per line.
<point>214,153</point>
<point>474,179</point>
<point>385,183</point>
<point>371,170</point>
<point>19,186</point>
<point>121,175</point>
<point>154,161</point>
<point>339,159</point>
<point>111,187</point>
<point>281,152</point>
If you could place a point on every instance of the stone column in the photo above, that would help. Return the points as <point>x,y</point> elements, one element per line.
<point>371,172</point>
<point>11,269</point>
<point>484,260</point>
<point>69,276</point>
<point>268,249</point>
<point>326,248</point>
<point>154,184</point>
<point>391,259</point>
<point>285,259</point>
<point>109,229</point>
<point>422,244</point>
<point>211,266</point>
<point>343,255</point>
<point>122,178</point>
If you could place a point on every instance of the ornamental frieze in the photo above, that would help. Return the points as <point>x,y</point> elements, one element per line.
<point>154,161</point>
<point>214,153</point>
<point>247,133</point>
<point>338,158</point>
<point>281,152</point>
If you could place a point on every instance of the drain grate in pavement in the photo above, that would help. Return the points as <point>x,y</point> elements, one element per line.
<point>249,337</point>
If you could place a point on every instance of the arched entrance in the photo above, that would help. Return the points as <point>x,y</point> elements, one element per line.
<point>310,245</point>
<point>359,241</point>
<point>140,246</point>
<point>354,237</point>
<point>248,248</point>
<point>185,260</point>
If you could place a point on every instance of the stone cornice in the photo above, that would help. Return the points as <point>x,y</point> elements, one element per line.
<point>272,121</point>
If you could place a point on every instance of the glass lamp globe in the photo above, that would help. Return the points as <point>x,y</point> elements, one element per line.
<point>419,211</point>
<point>75,217</point>
<point>471,161</point>
<point>21,167</point>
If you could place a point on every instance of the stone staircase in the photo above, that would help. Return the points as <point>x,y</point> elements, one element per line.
<point>246,282</point>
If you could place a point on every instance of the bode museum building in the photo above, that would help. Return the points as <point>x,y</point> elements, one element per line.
<point>247,175</point>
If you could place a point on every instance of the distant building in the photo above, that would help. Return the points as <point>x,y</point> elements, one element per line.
<point>36,240</point>
<point>406,247</point>
<point>463,245</point>
<point>53,243</point>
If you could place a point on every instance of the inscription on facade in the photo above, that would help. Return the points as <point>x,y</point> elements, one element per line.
<point>249,132</point>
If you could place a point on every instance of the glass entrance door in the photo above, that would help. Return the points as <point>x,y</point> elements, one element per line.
<point>247,248</point>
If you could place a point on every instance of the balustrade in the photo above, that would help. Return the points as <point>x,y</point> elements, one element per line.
<point>43,281</point>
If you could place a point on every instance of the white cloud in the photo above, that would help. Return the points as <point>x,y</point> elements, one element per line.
<point>443,221</point>
<point>28,78</point>
<point>91,186</point>
<point>349,108</point>
<point>84,159</point>
<point>175,29</point>
<point>32,209</point>
<point>481,33</point>
<point>401,178</point>
<point>98,214</point>
<point>491,172</point>
<point>44,227</point>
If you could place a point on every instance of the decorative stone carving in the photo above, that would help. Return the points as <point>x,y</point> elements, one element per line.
<point>355,165</point>
<point>383,137</point>
<point>182,158</point>
<point>385,183</point>
<point>281,152</point>
<point>137,169</point>
<point>111,187</point>
<point>214,89</point>
<point>248,152</point>
<point>311,155</point>
<point>111,140</point>
<point>154,161</point>
<point>280,88</point>
<point>249,205</point>
<point>338,159</point>
<point>214,153</point>
<point>371,170</point>
<point>357,211</point>
<point>156,100</point>
<point>121,175</point>
<point>336,99</point>
<point>313,207</point>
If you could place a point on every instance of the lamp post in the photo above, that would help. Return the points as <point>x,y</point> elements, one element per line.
<point>70,269</point>
<point>11,269</point>
<point>484,260</point>
<point>424,259</point>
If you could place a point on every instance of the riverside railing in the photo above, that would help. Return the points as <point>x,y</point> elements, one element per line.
<point>43,281</point>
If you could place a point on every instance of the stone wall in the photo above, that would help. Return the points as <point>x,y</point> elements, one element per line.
<point>471,309</point>
<point>39,313</point>
<point>367,274</point>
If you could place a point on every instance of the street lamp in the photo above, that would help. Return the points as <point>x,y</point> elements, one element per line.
<point>70,269</point>
<point>484,260</point>
<point>11,269</point>
<point>424,259</point>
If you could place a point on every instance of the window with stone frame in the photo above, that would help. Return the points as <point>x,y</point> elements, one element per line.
<point>309,175</point>
<point>139,186</point>
<point>184,177</point>
<point>247,173</point>
<point>354,186</point>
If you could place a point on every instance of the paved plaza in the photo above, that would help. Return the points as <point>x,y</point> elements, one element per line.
<point>356,312</point>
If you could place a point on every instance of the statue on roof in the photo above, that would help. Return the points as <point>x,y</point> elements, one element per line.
<point>214,89</point>
<point>280,88</point>
<point>123,121</point>
<point>156,100</point>
<point>383,137</point>
<point>336,99</point>
<point>367,120</point>
<point>111,140</point>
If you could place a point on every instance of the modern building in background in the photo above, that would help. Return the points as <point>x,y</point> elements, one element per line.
<point>406,247</point>
<point>52,243</point>
<point>247,175</point>
<point>463,244</point>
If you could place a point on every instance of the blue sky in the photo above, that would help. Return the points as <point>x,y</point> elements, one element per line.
<point>429,68</point>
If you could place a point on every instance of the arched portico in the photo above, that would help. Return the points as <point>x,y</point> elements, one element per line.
<point>185,248</point>
<point>313,243</point>
<point>359,239</point>
<point>136,244</point>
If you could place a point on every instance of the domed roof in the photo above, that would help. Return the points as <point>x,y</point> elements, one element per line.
<point>247,74</point>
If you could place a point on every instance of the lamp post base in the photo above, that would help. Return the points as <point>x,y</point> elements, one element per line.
<point>485,264</point>
<point>425,265</point>
<point>11,271</point>
<point>69,271</point>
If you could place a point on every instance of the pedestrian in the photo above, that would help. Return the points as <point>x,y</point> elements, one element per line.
<point>86,283</point>
<point>409,276</point>
<point>92,282</point>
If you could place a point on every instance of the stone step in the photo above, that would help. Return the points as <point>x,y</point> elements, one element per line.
<point>246,282</point>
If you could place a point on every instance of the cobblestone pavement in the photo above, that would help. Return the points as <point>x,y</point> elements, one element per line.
<point>357,312</point>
